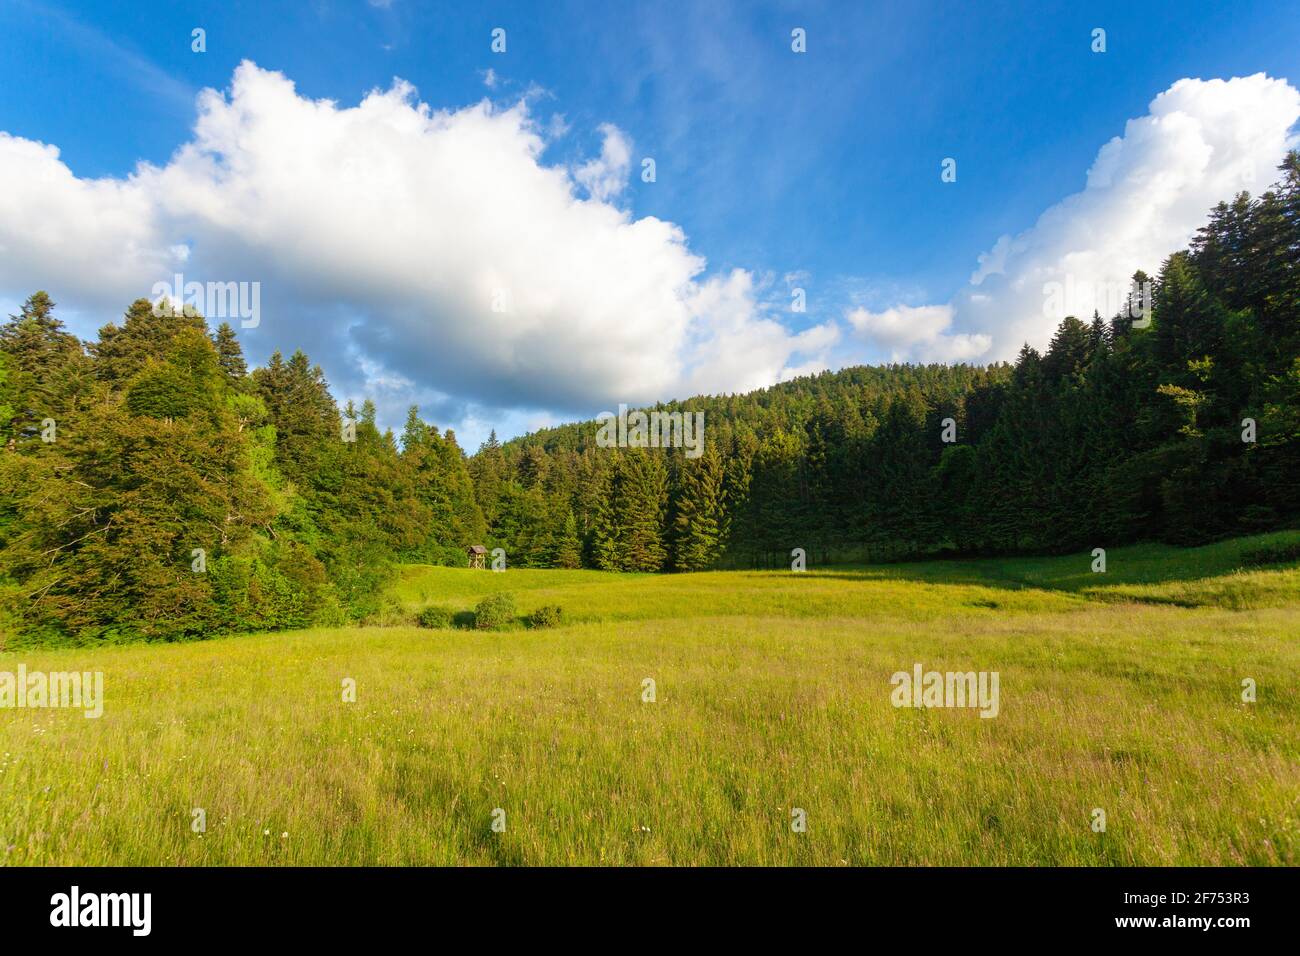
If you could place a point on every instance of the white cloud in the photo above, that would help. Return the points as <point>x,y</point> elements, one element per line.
<point>734,344</point>
<point>919,333</point>
<point>381,235</point>
<point>1147,192</point>
<point>605,176</point>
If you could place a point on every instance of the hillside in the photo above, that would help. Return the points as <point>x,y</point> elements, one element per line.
<point>152,487</point>
<point>771,693</point>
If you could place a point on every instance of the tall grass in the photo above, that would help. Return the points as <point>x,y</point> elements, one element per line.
<point>771,693</point>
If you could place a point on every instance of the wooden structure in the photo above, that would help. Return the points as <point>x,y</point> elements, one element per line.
<point>477,556</point>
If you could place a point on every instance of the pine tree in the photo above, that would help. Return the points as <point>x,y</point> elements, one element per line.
<point>700,523</point>
<point>145,334</point>
<point>606,517</point>
<point>6,409</point>
<point>1190,323</point>
<point>1099,335</point>
<point>48,371</point>
<point>1071,349</point>
<point>302,411</point>
<point>489,471</point>
<point>230,356</point>
<point>532,466</point>
<point>141,496</point>
<point>568,549</point>
<point>644,499</point>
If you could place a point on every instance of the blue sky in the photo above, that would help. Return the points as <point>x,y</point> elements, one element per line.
<point>824,165</point>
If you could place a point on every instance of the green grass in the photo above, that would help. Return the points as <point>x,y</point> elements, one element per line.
<point>1120,691</point>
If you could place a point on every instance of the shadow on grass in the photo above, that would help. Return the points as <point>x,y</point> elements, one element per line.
<point>1141,564</point>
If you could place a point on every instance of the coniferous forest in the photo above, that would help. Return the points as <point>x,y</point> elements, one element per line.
<point>153,487</point>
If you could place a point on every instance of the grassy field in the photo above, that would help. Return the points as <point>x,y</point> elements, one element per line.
<point>1120,691</point>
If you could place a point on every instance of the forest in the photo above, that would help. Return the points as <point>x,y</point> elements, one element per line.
<point>153,487</point>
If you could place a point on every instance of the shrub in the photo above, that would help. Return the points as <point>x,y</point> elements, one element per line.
<point>548,615</point>
<point>435,616</point>
<point>447,557</point>
<point>1272,554</point>
<point>495,610</point>
<point>391,613</point>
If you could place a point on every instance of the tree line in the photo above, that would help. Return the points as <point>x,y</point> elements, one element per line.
<point>152,487</point>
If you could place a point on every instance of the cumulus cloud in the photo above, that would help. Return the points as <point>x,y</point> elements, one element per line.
<point>605,176</point>
<point>1147,192</point>
<point>917,333</point>
<point>403,245</point>
<point>735,340</point>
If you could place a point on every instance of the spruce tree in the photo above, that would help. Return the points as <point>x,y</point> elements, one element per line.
<point>700,522</point>
<point>47,368</point>
<point>568,549</point>
<point>1071,349</point>
<point>644,500</point>
<point>230,356</point>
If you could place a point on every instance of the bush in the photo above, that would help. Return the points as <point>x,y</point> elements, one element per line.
<point>391,613</point>
<point>1272,554</point>
<point>494,611</point>
<point>447,557</point>
<point>435,616</point>
<point>548,615</point>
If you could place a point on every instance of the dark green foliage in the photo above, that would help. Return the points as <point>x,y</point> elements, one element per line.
<point>701,518</point>
<point>145,334</point>
<point>440,482</point>
<point>628,527</point>
<point>6,410</point>
<point>436,616</point>
<point>548,615</point>
<point>568,549</point>
<point>1274,554</point>
<point>47,373</point>
<point>182,498</point>
<point>230,356</point>
<point>494,611</point>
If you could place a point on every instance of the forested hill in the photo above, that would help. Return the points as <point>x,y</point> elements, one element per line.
<point>695,513</point>
<point>1183,428</point>
<point>152,486</point>
<point>791,403</point>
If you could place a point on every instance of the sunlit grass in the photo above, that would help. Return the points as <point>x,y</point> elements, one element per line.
<point>772,692</point>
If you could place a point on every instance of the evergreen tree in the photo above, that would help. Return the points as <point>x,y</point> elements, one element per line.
<point>48,370</point>
<point>301,410</point>
<point>700,523</point>
<point>230,356</point>
<point>145,334</point>
<point>1072,348</point>
<point>568,550</point>
<point>644,499</point>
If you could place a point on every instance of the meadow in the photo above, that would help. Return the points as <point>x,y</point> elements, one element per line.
<point>1120,691</point>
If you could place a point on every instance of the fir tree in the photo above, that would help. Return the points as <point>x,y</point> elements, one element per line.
<point>700,524</point>
<point>568,549</point>
<point>230,356</point>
